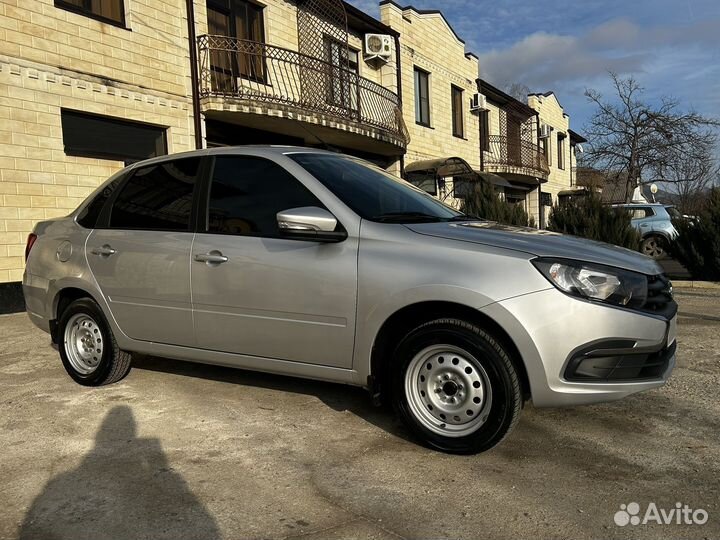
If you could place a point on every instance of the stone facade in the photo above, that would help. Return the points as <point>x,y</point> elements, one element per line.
<point>559,148</point>
<point>429,43</point>
<point>53,59</point>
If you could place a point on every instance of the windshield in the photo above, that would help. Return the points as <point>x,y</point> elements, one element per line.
<point>373,193</point>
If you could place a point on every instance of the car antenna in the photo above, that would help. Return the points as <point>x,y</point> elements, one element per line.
<point>325,145</point>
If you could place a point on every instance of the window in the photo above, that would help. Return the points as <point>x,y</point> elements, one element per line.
<point>561,151</point>
<point>546,199</point>
<point>422,97</point>
<point>371,192</point>
<point>247,193</point>
<point>485,131</point>
<point>242,20</point>
<point>89,215</point>
<point>641,213</point>
<point>458,126</point>
<point>342,86</point>
<point>545,149</point>
<point>157,197</point>
<point>88,135</point>
<point>110,11</point>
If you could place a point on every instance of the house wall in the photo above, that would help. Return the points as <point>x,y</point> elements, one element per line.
<point>552,114</point>
<point>427,42</point>
<point>51,59</point>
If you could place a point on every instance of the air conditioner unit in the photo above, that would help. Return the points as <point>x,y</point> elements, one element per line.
<point>478,103</point>
<point>378,46</point>
<point>545,131</point>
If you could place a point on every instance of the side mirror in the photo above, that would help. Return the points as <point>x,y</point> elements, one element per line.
<point>310,223</point>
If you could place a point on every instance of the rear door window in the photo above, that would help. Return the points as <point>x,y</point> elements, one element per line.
<point>157,197</point>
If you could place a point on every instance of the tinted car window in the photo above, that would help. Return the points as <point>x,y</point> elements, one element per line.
<point>371,192</point>
<point>247,193</point>
<point>158,197</point>
<point>89,215</point>
<point>640,213</point>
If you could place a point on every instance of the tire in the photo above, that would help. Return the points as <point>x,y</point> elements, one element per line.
<point>653,246</point>
<point>455,387</point>
<point>87,345</point>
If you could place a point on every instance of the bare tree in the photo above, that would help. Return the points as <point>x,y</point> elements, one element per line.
<point>518,90</point>
<point>689,179</point>
<point>639,141</point>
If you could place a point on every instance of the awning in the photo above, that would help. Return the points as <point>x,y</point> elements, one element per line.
<point>573,192</point>
<point>440,168</point>
<point>494,179</point>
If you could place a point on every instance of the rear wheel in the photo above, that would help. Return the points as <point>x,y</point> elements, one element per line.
<point>87,346</point>
<point>653,246</point>
<point>455,387</point>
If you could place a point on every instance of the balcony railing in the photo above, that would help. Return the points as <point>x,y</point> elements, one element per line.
<point>261,73</point>
<point>516,153</point>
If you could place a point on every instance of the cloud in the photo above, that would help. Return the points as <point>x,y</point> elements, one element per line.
<point>542,60</point>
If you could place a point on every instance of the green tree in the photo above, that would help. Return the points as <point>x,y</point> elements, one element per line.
<point>697,246</point>
<point>589,218</point>
<point>484,202</point>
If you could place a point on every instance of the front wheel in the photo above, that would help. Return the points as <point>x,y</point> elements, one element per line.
<point>455,387</point>
<point>87,346</point>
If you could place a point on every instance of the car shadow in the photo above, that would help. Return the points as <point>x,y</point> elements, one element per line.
<point>338,397</point>
<point>123,488</point>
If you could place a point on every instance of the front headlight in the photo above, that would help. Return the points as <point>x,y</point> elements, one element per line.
<point>595,281</point>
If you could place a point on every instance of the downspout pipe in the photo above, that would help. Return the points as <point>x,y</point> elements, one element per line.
<point>194,76</point>
<point>398,74</point>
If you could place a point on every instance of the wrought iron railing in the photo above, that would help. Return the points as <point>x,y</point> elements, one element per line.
<point>515,153</point>
<point>257,72</point>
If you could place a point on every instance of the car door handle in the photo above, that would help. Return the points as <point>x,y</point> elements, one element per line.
<point>213,257</point>
<point>104,251</point>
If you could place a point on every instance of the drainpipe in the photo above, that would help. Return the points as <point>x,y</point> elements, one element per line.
<point>541,208</point>
<point>194,77</point>
<point>398,74</point>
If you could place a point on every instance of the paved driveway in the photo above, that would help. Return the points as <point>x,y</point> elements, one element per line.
<point>179,450</point>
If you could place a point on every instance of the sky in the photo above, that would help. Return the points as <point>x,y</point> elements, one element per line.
<point>671,47</point>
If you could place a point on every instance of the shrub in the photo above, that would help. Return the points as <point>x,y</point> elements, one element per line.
<point>484,202</point>
<point>589,218</point>
<point>697,246</point>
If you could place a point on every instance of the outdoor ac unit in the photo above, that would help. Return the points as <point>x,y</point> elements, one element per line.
<point>478,103</point>
<point>378,46</point>
<point>545,131</point>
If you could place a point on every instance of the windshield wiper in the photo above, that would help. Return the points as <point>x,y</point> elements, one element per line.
<point>406,217</point>
<point>465,217</point>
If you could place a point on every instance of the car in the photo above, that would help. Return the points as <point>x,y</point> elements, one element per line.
<point>654,223</point>
<point>320,265</point>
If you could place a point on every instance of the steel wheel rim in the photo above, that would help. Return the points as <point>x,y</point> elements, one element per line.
<point>448,391</point>
<point>83,343</point>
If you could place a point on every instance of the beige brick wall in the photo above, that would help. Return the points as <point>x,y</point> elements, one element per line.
<point>52,59</point>
<point>428,42</point>
<point>552,114</point>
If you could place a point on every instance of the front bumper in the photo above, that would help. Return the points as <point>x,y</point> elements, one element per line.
<point>578,352</point>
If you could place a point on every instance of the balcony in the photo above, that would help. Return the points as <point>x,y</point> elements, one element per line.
<point>515,156</point>
<point>282,82</point>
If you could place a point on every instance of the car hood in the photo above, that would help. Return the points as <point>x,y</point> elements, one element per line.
<point>540,243</point>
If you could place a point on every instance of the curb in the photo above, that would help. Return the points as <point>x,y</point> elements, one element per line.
<point>696,284</point>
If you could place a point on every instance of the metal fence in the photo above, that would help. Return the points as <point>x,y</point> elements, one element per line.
<point>515,153</point>
<point>254,71</point>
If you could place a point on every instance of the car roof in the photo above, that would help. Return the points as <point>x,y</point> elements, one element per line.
<point>264,149</point>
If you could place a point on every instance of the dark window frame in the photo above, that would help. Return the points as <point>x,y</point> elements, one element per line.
<point>421,78</point>
<point>484,131</point>
<point>342,88</point>
<point>561,151</point>
<point>86,11</point>
<point>77,151</point>
<point>225,8</point>
<point>457,97</point>
<point>204,198</point>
